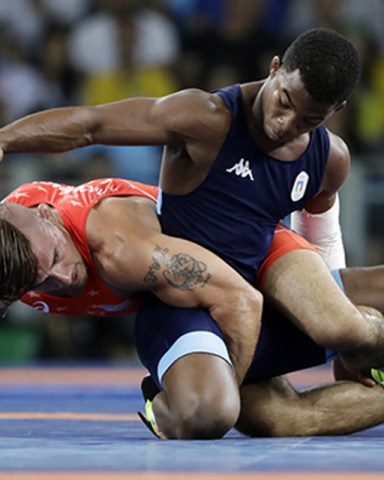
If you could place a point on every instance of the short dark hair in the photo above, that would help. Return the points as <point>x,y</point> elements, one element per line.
<point>18,264</point>
<point>328,63</point>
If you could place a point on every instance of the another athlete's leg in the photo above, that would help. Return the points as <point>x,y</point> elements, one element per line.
<point>200,398</point>
<point>273,408</point>
<point>302,287</point>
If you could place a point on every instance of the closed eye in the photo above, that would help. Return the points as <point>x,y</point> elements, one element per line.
<point>283,104</point>
<point>56,258</point>
<point>284,99</point>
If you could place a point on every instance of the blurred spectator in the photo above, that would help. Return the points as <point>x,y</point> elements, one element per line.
<point>130,78</point>
<point>54,64</point>
<point>23,20</point>
<point>65,11</point>
<point>367,126</point>
<point>336,14</point>
<point>242,35</point>
<point>95,44</point>
<point>23,88</point>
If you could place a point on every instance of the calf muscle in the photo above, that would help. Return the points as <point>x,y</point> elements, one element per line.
<point>273,408</point>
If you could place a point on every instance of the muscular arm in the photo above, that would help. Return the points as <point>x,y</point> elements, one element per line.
<point>63,129</point>
<point>137,256</point>
<point>178,118</point>
<point>336,172</point>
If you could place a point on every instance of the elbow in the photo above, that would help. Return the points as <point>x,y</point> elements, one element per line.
<point>248,303</point>
<point>253,300</point>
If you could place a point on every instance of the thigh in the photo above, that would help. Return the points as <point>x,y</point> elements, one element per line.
<point>300,285</point>
<point>284,241</point>
<point>164,335</point>
<point>282,347</point>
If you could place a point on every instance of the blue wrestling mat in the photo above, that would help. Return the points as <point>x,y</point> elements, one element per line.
<point>80,423</point>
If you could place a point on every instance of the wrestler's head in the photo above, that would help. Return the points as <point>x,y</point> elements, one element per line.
<point>316,75</point>
<point>37,253</point>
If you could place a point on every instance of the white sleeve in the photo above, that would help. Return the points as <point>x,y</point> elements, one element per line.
<point>324,232</point>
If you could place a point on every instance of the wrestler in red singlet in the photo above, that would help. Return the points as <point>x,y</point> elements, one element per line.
<point>74,205</point>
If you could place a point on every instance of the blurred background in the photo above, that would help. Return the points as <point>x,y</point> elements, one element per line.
<point>68,52</point>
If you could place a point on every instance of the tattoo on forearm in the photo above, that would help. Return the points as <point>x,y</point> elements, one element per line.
<point>181,270</point>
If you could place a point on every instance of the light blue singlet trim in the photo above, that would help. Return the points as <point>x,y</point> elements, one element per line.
<point>337,277</point>
<point>329,353</point>
<point>159,201</point>
<point>192,342</point>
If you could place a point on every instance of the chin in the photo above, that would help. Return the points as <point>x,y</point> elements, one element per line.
<point>271,135</point>
<point>79,286</point>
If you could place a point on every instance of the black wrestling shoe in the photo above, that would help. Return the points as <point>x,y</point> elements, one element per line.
<point>149,390</point>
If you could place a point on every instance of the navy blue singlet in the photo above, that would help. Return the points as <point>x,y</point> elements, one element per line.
<point>235,210</point>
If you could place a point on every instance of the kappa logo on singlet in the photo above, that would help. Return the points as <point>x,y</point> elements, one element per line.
<point>241,169</point>
<point>299,186</point>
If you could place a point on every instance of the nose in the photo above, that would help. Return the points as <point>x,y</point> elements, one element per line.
<point>287,123</point>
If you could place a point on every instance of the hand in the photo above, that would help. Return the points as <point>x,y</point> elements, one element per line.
<point>342,370</point>
<point>1,154</point>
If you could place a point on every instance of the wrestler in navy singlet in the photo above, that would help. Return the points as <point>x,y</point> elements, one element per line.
<point>235,210</point>
<point>164,334</point>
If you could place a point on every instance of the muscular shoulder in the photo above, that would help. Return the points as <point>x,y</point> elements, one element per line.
<point>115,220</point>
<point>118,231</point>
<point>335,174</point>
<point>338,163</point>
<point>194,113</point>
<point>338,146</point>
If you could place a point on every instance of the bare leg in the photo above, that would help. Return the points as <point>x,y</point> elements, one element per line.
<point>200,398</point>
<point>273,408</point>
<point>302,287</point>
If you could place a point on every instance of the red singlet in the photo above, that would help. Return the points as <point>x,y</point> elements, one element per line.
<point>74,205</point>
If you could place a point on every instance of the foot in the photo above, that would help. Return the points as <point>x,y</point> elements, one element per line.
<point>149,390</point>
<point>378,375</point>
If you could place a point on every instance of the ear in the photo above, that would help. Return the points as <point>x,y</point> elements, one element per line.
<point>44,211</point>
<point>274,66</point>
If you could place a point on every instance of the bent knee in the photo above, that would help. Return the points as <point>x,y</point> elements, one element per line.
<point>206,416</point>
